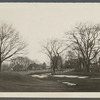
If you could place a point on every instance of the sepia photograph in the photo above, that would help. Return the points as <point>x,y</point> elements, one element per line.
<point>49,47</point>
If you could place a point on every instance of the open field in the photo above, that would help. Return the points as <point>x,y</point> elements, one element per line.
<point>15,82</point>
<point>23,82</point>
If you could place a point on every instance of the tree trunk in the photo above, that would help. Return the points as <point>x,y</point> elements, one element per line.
<point>0,65</point>
<point>54,64</point>
<point>88,66</point>
<point>0,60</point>
<point>53,69</point>
<point>79,64</point>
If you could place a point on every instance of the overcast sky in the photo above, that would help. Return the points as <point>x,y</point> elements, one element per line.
<point>37,22</point>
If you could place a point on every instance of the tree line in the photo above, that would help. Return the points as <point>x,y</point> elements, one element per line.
<point>83,42</point>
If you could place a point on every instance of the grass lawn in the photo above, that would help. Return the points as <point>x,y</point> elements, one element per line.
<point>15,82</point>
<point>21,82</point>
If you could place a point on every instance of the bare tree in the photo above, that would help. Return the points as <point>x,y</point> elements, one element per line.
<point>23,61</point>
<point>70,55</point>
<point>10,43</point>
<point>53,49</point>
<point>85,40</point>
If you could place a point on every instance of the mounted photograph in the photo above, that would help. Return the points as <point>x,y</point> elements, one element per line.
<point>49,47</point>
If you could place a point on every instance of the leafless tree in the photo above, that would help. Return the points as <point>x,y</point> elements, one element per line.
<point>19,60</point>
<point>85,40</point>
<point>70,55</point>
<point>10,43</point>
<point>53,49</point>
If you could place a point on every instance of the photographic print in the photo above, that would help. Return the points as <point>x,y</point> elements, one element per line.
<point>49,48</point>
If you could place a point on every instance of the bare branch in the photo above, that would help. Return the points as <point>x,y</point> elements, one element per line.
<point>11,43</point>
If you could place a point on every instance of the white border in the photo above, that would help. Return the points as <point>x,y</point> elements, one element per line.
<point>50,94</point>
